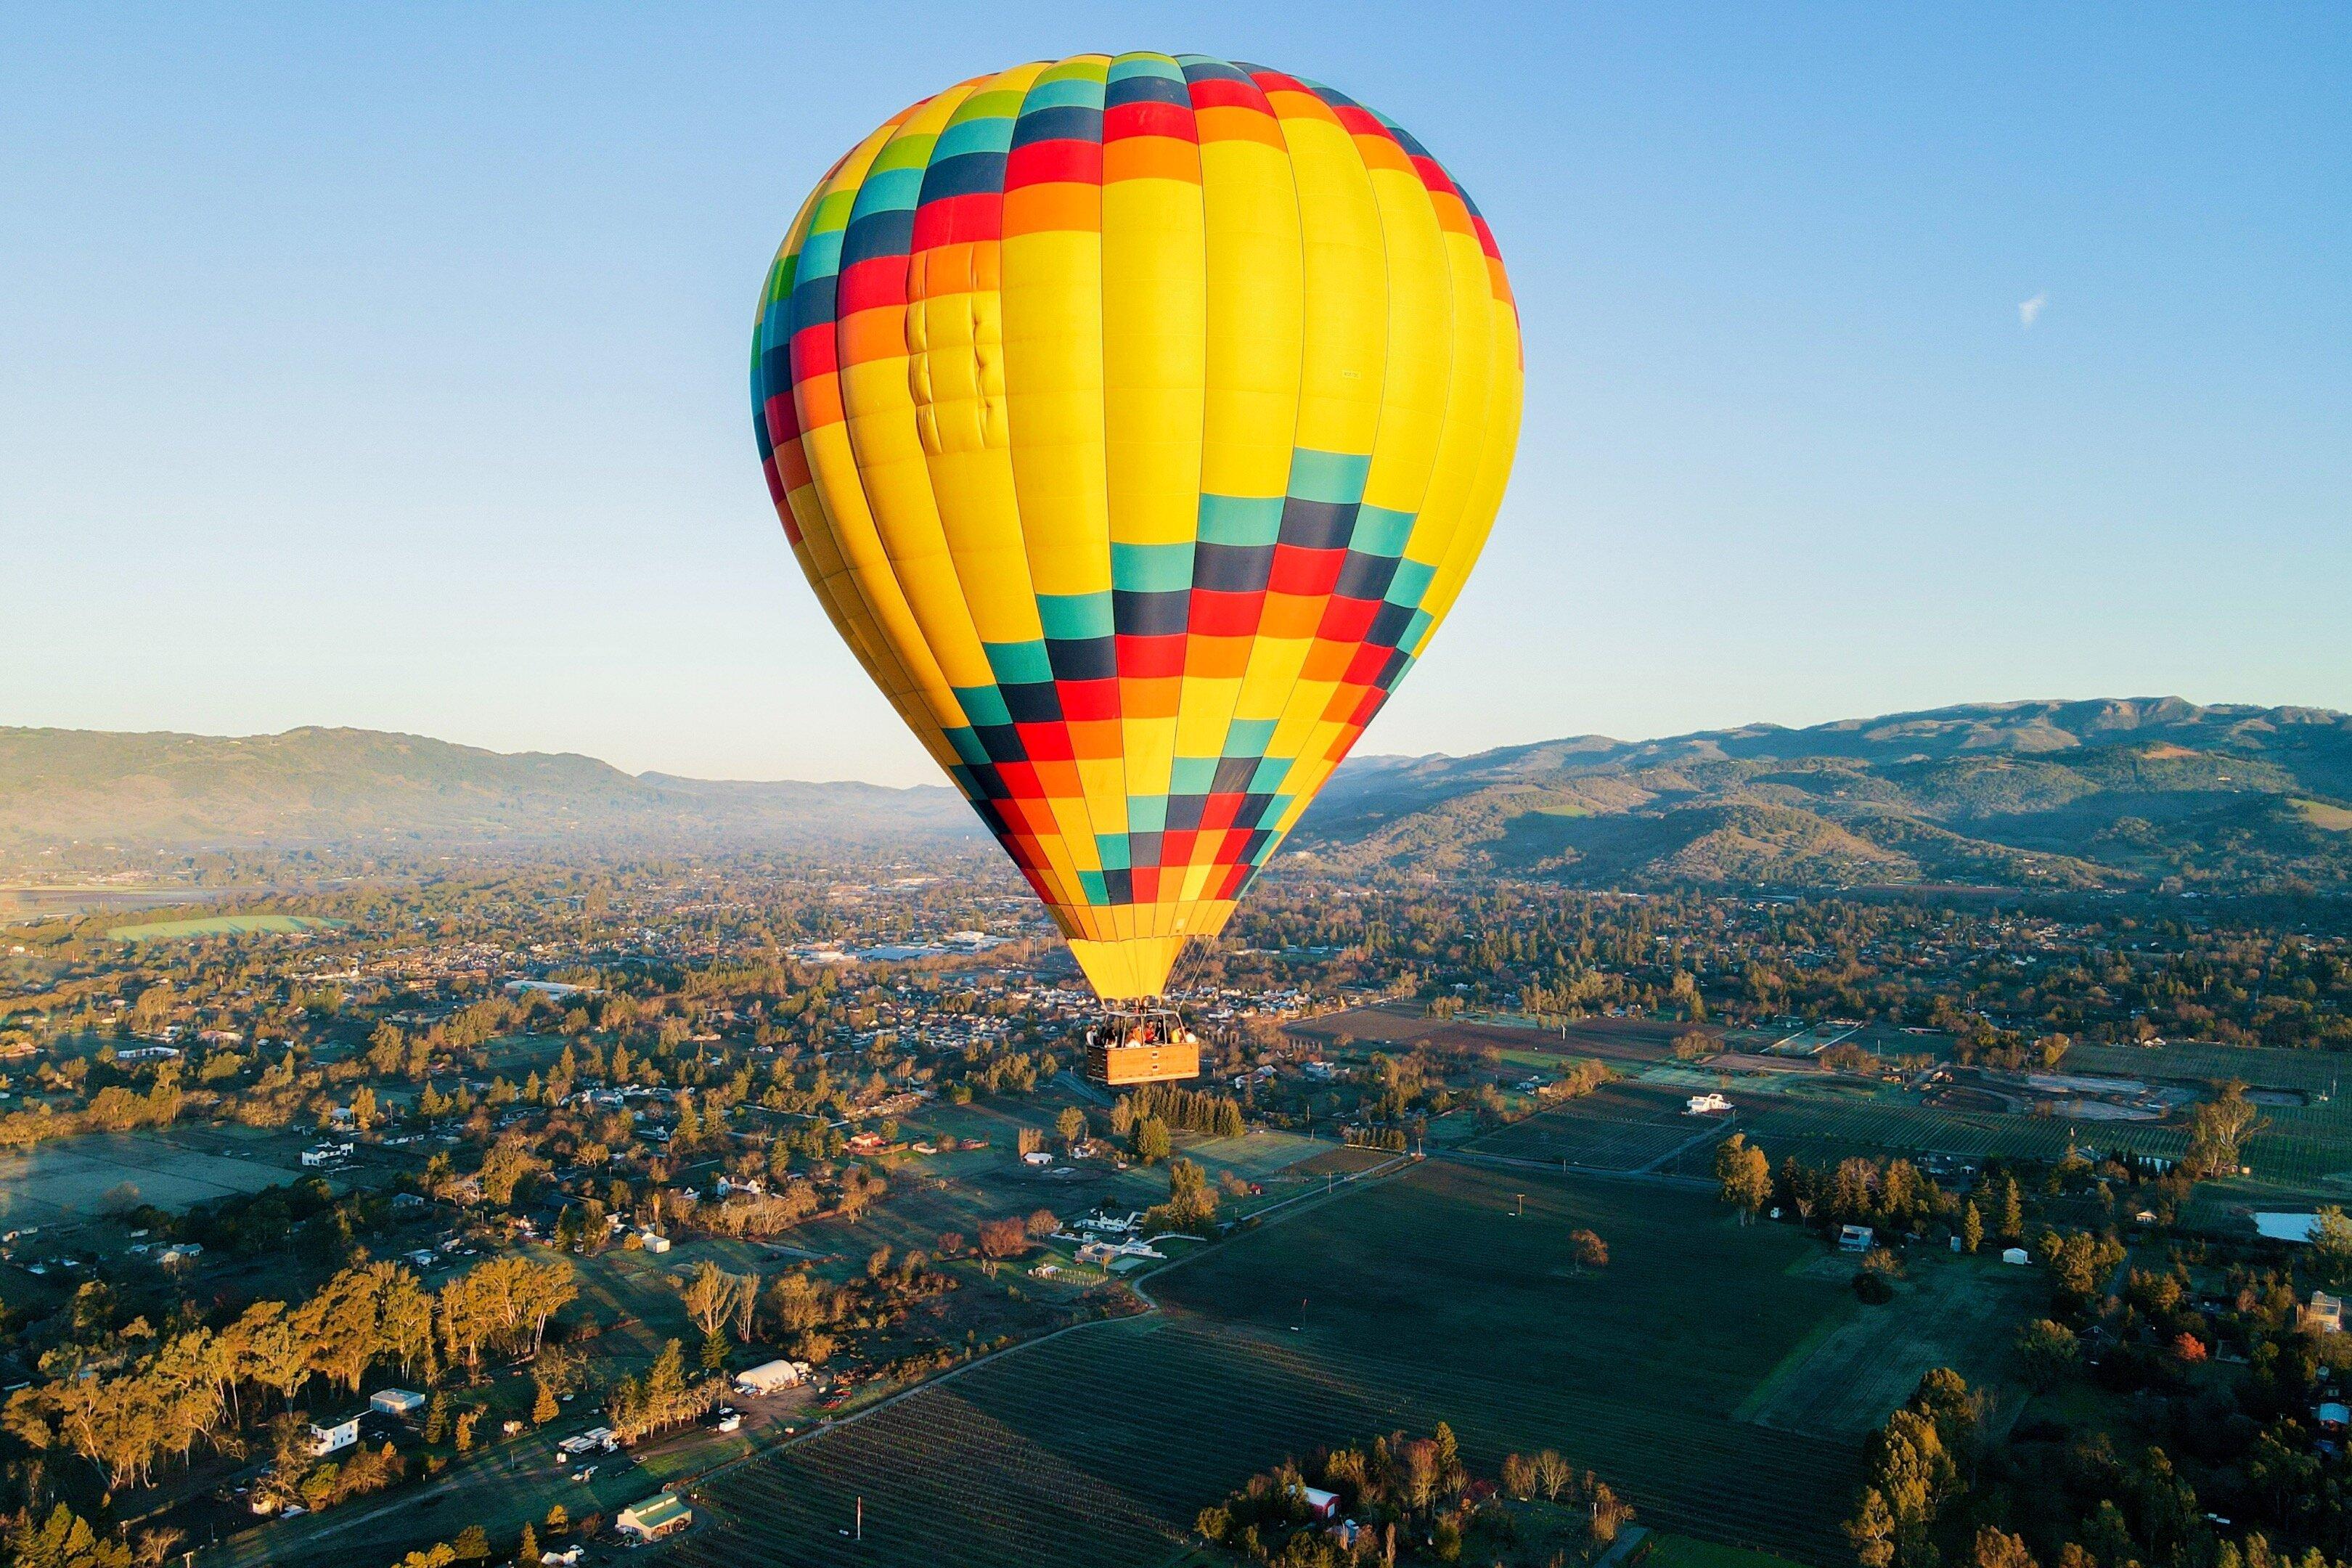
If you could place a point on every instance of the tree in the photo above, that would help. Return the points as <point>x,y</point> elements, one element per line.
<point>1586,1250</point>
<point>64,1540</point>
<point>1418,1472</point>
<point>1190,1203</point>
<point>1072,1125</point>
<point>712,1296</point>
<point>1518,1476</point>
<point>1997,1549</point>
<point>544,1407</point>
<point>1971,1227</point>
<point>1871,1530</point>
<point>1746,1174</point>
<point>1610,1513</point>
<point>1004,1239</point>
<point>2331,1245</point>
<point>1151,1141</point>
<point>1553,1474</point>
<point>2012,1209</point>
<point>2218,1129</point>
<point>527,1550</point>
<point>2046,1353</point>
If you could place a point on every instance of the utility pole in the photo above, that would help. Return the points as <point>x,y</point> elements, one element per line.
<point>861,1517</point>
<point>1521,1200</point>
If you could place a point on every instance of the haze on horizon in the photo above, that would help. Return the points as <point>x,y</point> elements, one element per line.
<point>386,369</point>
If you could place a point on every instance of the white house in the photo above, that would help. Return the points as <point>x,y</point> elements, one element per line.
<point>327,1439</point>
<point>655,1243</point>
<point>1707,1104</point>
<point>2014,1255</point>
<point>1856,1238</point>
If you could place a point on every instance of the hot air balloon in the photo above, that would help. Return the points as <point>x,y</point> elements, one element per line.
<point>1136,420</point>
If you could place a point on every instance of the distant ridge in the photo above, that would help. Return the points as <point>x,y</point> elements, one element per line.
<point>2141,793</point>
<point>348,788</point>
<point>2128,794</point>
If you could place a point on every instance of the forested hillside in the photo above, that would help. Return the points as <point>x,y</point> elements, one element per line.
<point>2152,793</point>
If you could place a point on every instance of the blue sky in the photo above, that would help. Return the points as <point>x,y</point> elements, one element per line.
<point>384,366</point>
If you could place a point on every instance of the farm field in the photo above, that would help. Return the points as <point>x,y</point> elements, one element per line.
<point>1952,1311</point>
<point>1519,1039</point>
<point>222,925</point>
<point>2315,1070</point>
<point>1623,1126</point>
<point>1424,1297</point>
<point>72,1178</point>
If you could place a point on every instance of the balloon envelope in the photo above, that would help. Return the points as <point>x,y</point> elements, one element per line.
<point>1137,419</point>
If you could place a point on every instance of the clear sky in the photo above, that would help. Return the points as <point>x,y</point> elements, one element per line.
<point>384,366</point>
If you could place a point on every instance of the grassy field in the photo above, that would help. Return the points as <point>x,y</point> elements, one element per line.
<point>1420,1299</point>
<point>72,1178</point>
<point>1959,1313</point>
<point>222,925</point>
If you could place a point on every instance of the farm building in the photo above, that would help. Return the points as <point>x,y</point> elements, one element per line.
<point>2325,1315</point>
<point>327,1437</point>
<point>665,1514</point>
<point>655,1243</point>
<point>1856,1238</point>
<point>2014,1255</point>
<point>397,1401</point>
<point>1321,1506</point>
<point>771,1376</point>
<point>1707,1104</point>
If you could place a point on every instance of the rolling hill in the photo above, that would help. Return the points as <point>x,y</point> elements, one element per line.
<point>2150,794</point>
<point>2139,794</point>
<point>352,788</point>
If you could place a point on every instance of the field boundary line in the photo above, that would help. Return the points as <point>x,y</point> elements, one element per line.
<point>1703,1136</point>
<point>1151,1309</point>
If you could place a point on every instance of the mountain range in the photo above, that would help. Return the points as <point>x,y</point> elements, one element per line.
<point>364,788</point>
<point>2142,793</point>
<point>2153,793</point>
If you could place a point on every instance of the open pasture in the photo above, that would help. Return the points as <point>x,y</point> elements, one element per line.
<point>223,925</point>
<point>1416,1300</point>
<point>75,1178</point>
<point>1952,1311</point>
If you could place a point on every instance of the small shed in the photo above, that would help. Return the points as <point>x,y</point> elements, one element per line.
<point>655,1243</point>
<point>2014,1255</point>
<point>1856,1238</point>
<point>1321,1506</point>
<point>663,1514</point>
<point>396,1401</point>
